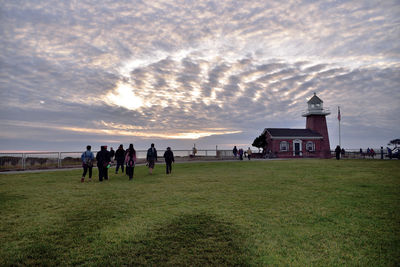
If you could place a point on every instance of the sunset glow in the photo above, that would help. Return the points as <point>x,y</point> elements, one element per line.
<point>125,97</point>
<point>171,72</point>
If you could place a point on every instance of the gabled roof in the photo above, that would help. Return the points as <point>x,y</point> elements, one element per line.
<point>290,133</point>
<point>315,100</point>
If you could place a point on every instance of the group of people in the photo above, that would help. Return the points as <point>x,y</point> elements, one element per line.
<point>339,152</point>
<point>241,152</point>
<point>124,159</point>
<point>370,152</point>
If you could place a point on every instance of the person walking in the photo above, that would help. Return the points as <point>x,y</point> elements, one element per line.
<point>372,152</point>
<point>169,158</point>
<point>249,153</point>
<point>112,154</point>
<point>151,158</point>
<point>241,153</point>
<point>337,151</point>
<point>87,158</point>
<point>103,163</point>
<point>120,158</point>
<point>126,167</point>
<point>130,160</point>
<point>389,151</point>
<point>235,151</point>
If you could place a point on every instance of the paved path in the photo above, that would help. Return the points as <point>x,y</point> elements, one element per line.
<point>141,164</point>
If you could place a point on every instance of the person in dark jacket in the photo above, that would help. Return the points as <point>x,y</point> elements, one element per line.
<point>120,158</point>
<point>169,158</point>
<point>130,160</point>
<point>103,162</point>
<point>235,151</point>
<point>151,158</point>
<point>337,151</point>
<point>112,154</point>
<point>241,154</point>
<point>389,151</point>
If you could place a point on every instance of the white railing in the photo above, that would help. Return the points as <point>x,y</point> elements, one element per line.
<point>322,111</point>
<point>49,160</point>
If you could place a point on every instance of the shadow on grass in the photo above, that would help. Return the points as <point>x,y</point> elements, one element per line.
<point>59,241</point>
<point>189,240</point>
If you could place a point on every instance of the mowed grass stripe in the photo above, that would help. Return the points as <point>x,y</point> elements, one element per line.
<point>292,212</point>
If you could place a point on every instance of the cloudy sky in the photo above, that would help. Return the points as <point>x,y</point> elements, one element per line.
<point>78,72</point>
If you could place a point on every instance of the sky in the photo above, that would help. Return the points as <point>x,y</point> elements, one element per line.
<point>209,73</point>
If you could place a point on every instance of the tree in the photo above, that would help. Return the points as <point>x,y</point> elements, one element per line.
<point>260,142</point>
<point>394,142</point>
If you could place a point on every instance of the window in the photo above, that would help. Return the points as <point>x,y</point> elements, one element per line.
<point>284,146</point>
<point>310,146</point>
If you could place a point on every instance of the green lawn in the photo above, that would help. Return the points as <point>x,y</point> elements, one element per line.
<point>291,212</point>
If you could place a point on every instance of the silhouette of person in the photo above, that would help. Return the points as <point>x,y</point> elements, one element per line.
<point>120,158</point>
<point>130,160</point>
<point>169,158</point>
<point>103,162</point>
<point>234,151</point>
<point>337,151</point>
<point>151,158</point>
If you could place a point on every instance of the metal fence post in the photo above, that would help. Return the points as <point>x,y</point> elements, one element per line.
<point>23,161</point>
<point>59,160</point>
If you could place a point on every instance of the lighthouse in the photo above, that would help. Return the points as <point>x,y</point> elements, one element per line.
<point>311,142</point>
<point>316,121</point>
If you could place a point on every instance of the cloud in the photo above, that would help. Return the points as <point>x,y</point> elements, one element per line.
<point>182,69</point>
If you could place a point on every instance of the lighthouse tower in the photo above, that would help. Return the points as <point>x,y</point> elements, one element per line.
<point>316,121</point>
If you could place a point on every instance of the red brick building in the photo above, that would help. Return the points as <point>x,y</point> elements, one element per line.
<point>311,142</point>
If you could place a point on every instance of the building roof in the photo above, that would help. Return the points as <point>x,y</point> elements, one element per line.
<point>292,133</point>
<point>315,100</point>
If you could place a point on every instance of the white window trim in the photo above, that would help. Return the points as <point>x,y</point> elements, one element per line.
<point>312,146</point>
<point>297,141</point>
<point>287,146</point>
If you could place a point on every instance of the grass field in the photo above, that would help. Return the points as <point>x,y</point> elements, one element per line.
<point>292,212</point>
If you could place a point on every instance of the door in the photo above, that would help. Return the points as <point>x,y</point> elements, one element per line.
<point>296,149</point>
